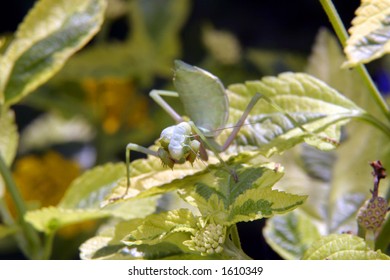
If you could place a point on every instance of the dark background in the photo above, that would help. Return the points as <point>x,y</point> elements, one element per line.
<point>267,24</point>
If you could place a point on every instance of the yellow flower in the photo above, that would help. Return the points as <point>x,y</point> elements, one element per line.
<point>43,180</point>
<point>115,102</point>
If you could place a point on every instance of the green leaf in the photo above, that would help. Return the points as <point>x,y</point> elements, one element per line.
<point>370,33</point>
<point>155,33</point>
<point>50,219</point>
<point>88,192</point>
<point>263,203</point>
<point>342,247</point>
<point>6,231</point>
<point>52,129</point>
<point>83,198</point>
<point>157,227</point>
<point>8,141</point>
<point>150,49</point>
<point>9,136</point>
<point>336,183</point>
<point>291,235</point>
<point>149,177</point>
<point>250,198</point>
<point>51,32</point>
<point>271,62</point>
<point>350,173</point>
<point>312,103</point>
<point>108,245</point>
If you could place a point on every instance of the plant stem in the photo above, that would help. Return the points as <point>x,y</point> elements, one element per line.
<point>383,239</point>
<point>48,245</point>
<point>342,34</point>
<point>370,239</point>
<point>375,122</point>
<point>235,236</point>
<point>233,252</point>
<point>30,235</point>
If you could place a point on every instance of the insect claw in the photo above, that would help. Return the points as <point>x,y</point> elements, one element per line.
<point>234,175</point>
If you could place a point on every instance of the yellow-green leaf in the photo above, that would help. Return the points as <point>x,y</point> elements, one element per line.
<point>88,191</point>
<point>370,33</point>
<point>310,102</point>
<point>8,136</point>
<point>51,32</point>
<point>342,247</point>
<point>291,235</point>
<point>50,219</point>
<point>157,227</point>
<point>108,245</point>
<point>150,177</point>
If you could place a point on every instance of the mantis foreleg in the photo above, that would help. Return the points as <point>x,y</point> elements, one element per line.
<point>137,148</point>
<point>156,96</point>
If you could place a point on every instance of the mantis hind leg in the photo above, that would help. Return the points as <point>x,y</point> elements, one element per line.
<point>241,121</point>
<point>291,118</point>
<point>133,147</point>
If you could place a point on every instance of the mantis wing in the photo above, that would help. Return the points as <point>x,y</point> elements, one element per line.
<point>203,97</point>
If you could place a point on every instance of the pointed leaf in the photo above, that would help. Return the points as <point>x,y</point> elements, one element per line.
<point>342,247</point>
<point>350,173</point>
<point>108,245</point>
<point>89,190</point>
<point>370,33</point>
<point>8,141</point>
<point>51,32</point>
<point>149,177</point>
<point>248,199</point>
<point>312,103</point>
<point>50,219</point>
<point>291,235</point>
<point>8,137</point>
<point>150,49</point>
<point>157,227</point>
<point>263,203</point>
<point>336,182</point>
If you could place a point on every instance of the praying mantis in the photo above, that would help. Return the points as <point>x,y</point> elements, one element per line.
<point>207,106</point>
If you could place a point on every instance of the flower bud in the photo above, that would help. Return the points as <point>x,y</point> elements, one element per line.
<point>372,214</point>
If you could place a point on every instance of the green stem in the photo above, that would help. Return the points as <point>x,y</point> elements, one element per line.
<point>370,239</point>
<point>235,236</point>
<point>30,235</point>
<point>375,122</point>
<point>233,252</point>
<point>5,214</point>
<point>48,245</point>
<point>342,34</point>
<point>382,241</point>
